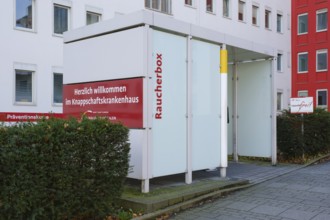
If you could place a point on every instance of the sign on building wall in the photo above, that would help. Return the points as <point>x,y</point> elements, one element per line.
<point>301,105</point>
<point>23,116</point>
<point>118,100</point>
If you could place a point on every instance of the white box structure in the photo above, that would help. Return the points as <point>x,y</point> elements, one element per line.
<point>178,65</point>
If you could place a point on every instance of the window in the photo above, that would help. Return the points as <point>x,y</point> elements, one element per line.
<point>302,24</point>
<point>225,8</point>
<point>279,19</point>
<point>322,98</point>
<point>159,5</point>
<point>302,62</point>
<point>322,60</point>
<point>23,86</point>
<point>279,101</point>
<point>303,93</point>
<point>209,5</point>
<point>241,10</point>
<point>92,18</point>
<point>61,19</point>
<point>57,88</point>
<point>189,2</point>
<point>322,20</point>
<point>267,19</point>
<point>255,15</point>
<point>24,14</point>
<point>279,62</point>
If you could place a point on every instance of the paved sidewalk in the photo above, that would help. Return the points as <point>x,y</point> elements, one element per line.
<point>303,194</point>
<point>238,175</point>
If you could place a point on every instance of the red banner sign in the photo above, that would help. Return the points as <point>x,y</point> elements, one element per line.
<point>118,100</point>
<point>21,116</point>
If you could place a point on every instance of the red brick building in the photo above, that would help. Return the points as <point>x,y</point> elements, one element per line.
<point>310,46</point>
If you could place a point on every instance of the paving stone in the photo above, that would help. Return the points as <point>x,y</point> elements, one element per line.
<point>270,210</point>
<point>320,189</point>
<point>241,206</point>
<point>298,214</point>
<point>321,217</point>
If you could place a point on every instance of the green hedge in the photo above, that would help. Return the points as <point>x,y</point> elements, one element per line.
<point>62,169</point>
<point>315,140</point>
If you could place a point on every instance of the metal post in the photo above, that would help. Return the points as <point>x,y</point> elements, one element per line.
<point>189,113</point>
<point>223,109</point>
<point>235,114</point>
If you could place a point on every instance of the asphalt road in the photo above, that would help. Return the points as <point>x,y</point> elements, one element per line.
<point>302,194</point>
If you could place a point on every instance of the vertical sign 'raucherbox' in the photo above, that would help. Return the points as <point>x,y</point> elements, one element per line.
<point>119,100</point>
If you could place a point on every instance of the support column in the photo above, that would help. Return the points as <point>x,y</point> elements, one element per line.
<point>189,113</point>
<point>235,114</point>
<point>223,109</point>
<point>273,113</point>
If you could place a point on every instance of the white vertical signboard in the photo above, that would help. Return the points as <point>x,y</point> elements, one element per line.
<point>169,104</point>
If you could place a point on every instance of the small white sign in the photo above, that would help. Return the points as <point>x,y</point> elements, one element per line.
<point>301,105</point>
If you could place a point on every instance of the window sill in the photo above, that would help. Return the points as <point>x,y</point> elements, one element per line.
<point>302,72</point>
<point>163,12</point>
<point>323,30</point>
<point>210,12</point>
<point>25,30</point>
<point>25,104</point>
<point>321,71</point>
<point>58,35</point>
<point>190,6</point>
<point>57,105</point>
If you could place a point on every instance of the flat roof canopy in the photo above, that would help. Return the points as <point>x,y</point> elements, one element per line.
<point>238,49</point>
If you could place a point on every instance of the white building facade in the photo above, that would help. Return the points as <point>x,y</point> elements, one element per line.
<point>32,53</point>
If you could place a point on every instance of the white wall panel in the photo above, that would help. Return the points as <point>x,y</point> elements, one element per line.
<point>254,109</point>
<point>205,105</point>
<point>169,131</point>
<point>112,56</point>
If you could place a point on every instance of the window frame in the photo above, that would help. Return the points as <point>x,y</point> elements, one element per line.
<point>298,64</point>
<point>53,92</point>
<point>321,11</point>
<point>243,4</point>
<point>318,52</point>
<point>228,4</point>
<point>148,5</point>
<point>302,91</point>
<point>99,16</point>
<point>268,19</point>
<point>257,22</point>
<point>68,18</point>
<point>33,101</point>
<point>279,24</point>
<point>279,62</point>
<point>191,4</point>
<point>298,25</point>
<point>33,29</point>
<point>317,98</point>
<point>279,100</point>
<point>212,9</point>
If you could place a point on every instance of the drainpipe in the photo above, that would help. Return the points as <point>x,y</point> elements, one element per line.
<point>223,110</point>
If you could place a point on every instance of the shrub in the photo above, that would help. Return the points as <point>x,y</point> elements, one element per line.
<point>62,169</point>
<point>315,139</point>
